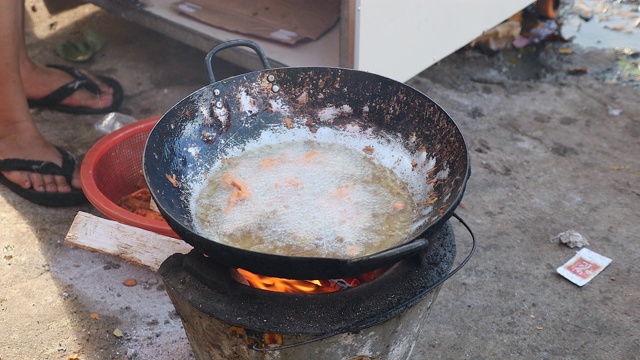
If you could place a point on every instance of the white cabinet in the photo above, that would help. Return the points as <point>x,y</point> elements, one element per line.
<point>393,38</point>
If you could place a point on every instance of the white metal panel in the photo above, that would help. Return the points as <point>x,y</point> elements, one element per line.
<point>400,38</point>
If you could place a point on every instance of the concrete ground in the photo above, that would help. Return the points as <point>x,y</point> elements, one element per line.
<point>550,152</point>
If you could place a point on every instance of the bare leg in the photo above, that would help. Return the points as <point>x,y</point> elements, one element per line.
<point>19,137</point>
<point>39,81</point>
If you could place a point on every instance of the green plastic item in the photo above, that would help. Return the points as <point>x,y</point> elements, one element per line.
<point>81,51</point>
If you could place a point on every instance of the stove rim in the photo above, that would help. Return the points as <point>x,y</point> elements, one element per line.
<point>203,297</point>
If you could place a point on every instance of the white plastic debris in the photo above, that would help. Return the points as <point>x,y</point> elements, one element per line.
<point>613,111</point>
<point>545,29</point>
<point>583,267</point>
<point>571,238</point>
<point>113,121</point>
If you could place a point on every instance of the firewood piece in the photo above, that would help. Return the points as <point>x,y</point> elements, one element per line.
<point>139,246</point>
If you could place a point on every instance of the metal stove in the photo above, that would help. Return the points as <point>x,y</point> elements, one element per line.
<point>380,319</point>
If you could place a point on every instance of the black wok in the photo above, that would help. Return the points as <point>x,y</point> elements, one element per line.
<point>198,132</point>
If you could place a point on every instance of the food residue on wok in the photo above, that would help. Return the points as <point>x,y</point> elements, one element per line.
<point>172,179</point>
<point>289,123</point>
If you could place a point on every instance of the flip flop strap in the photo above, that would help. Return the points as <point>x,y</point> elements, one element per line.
<point>81,81</point>
<point>42,167</point>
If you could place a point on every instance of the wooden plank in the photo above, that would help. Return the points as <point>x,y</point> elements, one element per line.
<point>132,244</point>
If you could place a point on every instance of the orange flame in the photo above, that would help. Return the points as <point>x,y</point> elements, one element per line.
<point>305,286</point>
<point>286,285</point>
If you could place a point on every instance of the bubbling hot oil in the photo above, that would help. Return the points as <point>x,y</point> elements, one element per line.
<point>305,199</point>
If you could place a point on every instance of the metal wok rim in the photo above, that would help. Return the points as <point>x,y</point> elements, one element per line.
<point>201,242</point>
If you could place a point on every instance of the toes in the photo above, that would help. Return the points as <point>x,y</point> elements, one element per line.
<point>38,182</point>
<point>104,89</point>
<point>75,180</point>
<point>19,178</point>
<point>61,184</point>
<point>41,182</point>
<point>49,183</point>
<point>105,100</point>
<point>90,100</point>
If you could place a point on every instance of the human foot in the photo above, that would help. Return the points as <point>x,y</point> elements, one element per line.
<point>39,172</point>
<point>69,90</point>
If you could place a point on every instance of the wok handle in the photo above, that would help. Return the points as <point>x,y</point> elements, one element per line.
<point>233,43</point>
<point>393,254</point>
<point>466,259</point>
<point>398,253</point>
<point>370,322</point>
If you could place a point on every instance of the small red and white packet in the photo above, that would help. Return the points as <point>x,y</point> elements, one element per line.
<point>583,267</point>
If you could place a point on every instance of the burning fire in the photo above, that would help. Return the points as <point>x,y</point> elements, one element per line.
<point>263,340</point>
<point>306,286</point>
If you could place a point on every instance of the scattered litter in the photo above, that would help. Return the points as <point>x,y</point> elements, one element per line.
<point>521,42</point>
<point>583,267</point>
<point>130,282</point>
<point>545,29</point>
<point>629,66</point>
<point>613,111</point>
<point>577,71</point>
<point>570,27</point>
<point>94,315</point>
<point>621,28</point>
<point>118,333</point>
<point>80,51</point>
<point>499,37</point>
<point>579,21</point>
<point>113,121</point>
<point>582,10</point>
<point>611,23</point>
<point>620,167</point>
<point>565,51</point>
<point>522,29</point>
<point>571,238</point>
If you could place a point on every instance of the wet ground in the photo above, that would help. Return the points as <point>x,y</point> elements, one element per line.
<point>602,24</point>
<point>552,149</point>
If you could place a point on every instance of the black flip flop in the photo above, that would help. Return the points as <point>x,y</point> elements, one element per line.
<point>81,81</point>
<point>75,197</point>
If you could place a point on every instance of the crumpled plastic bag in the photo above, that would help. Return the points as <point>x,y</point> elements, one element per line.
<point>113,121</point>
<point>571,238</point>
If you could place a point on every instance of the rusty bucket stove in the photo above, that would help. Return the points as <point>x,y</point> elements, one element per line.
<point>379,319</point>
